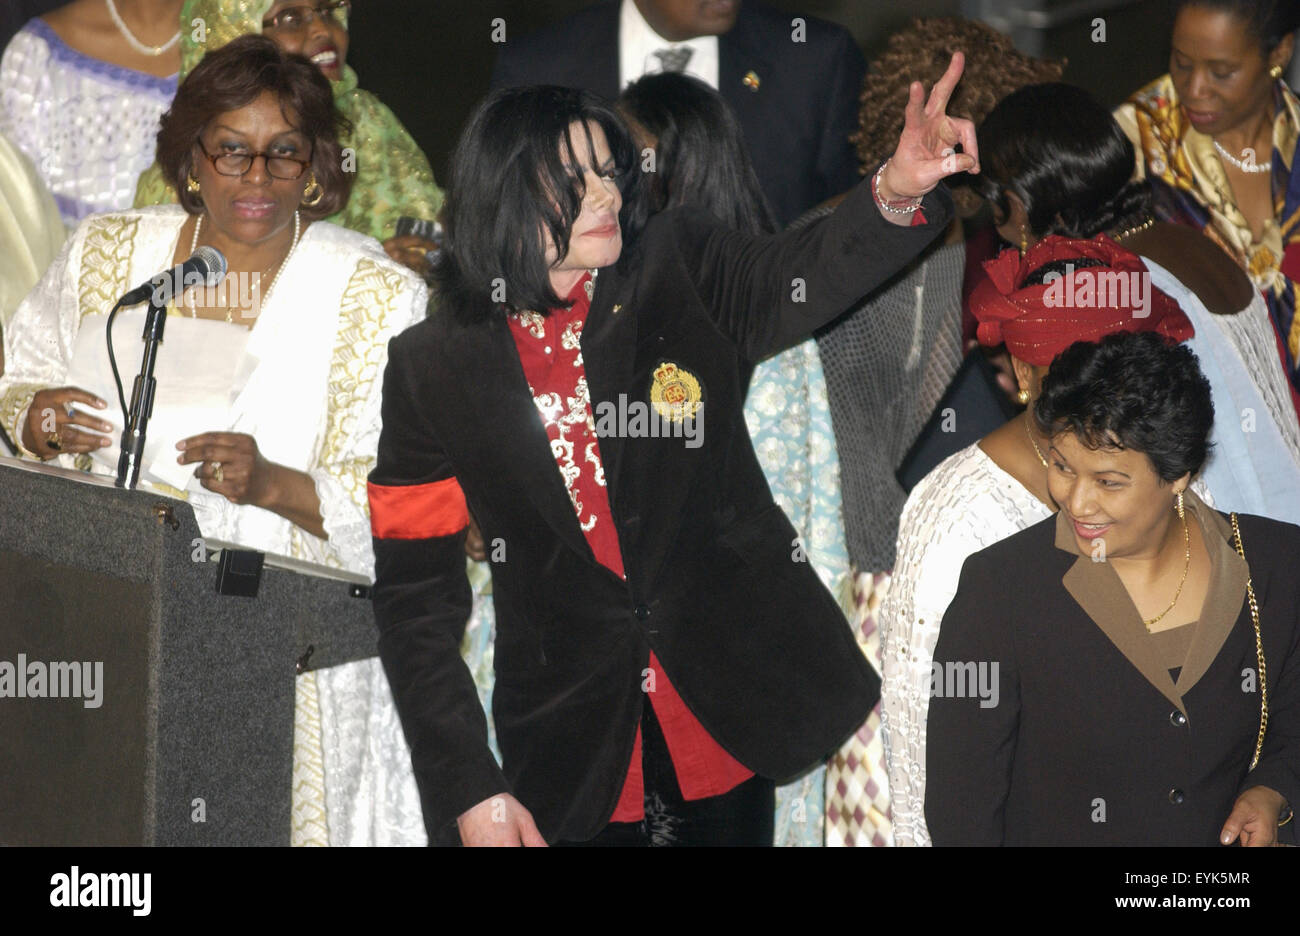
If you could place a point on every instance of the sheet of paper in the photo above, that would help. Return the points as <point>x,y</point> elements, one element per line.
<point>201,367</point>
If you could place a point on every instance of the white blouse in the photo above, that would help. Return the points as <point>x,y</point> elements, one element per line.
<point>89,126</point>
<point>965,504</point>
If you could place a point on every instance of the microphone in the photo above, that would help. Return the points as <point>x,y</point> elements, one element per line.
<point>206,267</point>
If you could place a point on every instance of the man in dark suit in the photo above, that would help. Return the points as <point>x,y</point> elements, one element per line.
<point>793,82</point>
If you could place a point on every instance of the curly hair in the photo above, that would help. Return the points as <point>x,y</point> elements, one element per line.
<point>921,52</point>
<point>1140,392</point>
<point>233,77</point>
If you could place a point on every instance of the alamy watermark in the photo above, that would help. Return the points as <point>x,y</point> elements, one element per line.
<point>1091,288</point>
<point>968,680</point>
<point>32,679</point>
<point>241,293</point>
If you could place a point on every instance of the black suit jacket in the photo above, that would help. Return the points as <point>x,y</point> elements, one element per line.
<point>796,123</point>
<point>1090,742</point>
<point>756,646</point>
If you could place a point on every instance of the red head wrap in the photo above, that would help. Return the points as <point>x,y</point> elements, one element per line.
<point>1039,322</point>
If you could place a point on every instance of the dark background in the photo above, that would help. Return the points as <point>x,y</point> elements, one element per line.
<point>430,60</point>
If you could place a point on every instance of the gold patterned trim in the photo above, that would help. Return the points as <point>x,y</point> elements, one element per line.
<point>105,259</point>
<point>369,304</point>
<point>13,404</point>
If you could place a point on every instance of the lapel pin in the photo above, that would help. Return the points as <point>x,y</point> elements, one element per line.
<point>751,81</point>
<point>617,309</point>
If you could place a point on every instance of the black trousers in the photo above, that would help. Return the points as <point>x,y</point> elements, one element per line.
<point>744,815</point>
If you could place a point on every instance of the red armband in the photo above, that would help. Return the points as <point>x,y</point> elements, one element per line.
<point>417,511</point>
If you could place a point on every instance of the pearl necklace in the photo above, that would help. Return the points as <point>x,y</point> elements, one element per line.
<point>1248,168</point>
<point>135,43</point>
<point>230,315</point>
<point>1136,229</point>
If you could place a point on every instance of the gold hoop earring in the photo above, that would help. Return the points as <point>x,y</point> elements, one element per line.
<point>192,184</point>
<point>1179,505</point>
<point>1275,72</point>
<point>313,193</point>
<point>1023,397</point>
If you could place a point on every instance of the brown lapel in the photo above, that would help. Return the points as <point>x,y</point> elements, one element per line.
<point>1100,593</point>
<point>1102,596</point>
<point>1223,601</point>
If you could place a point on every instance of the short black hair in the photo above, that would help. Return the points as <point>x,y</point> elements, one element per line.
<point>1065,157</point>
<point>700,156</point>
<point>510,179</point>
<point>1137,391</point>
<point>1269,21</point>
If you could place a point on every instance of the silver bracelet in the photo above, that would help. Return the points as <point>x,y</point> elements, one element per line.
<point>902,206</point>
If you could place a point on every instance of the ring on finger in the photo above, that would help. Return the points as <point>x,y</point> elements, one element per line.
<point>218,474</point>
<point>54,442</point>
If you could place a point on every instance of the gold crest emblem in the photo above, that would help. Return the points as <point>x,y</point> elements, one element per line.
<point>675,393</point>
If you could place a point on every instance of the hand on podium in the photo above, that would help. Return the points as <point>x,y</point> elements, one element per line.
<point>49,428</point>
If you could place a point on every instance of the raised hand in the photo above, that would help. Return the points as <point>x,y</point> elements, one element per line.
<point>926,152</point>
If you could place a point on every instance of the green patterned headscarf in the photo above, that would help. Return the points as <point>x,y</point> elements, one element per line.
<point>393,176</point>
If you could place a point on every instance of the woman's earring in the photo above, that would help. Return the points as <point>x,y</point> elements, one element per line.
<point>1179,505</point>
<point>1023,397</point>
<point>313,193</point>
<point>1275,72</point>
<point>1024,241</point>
<point>192,184</point>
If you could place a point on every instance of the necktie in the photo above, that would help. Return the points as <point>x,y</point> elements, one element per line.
<point>674,60</point>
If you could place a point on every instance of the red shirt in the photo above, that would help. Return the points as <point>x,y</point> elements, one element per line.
<point>551,355</point>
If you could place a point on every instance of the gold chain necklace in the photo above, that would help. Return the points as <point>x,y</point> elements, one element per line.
<point>1037,450</point>
<point>1187,564</point>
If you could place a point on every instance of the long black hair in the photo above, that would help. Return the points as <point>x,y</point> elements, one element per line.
<point>511,180</point>
<point>699,154</point>
<point>1065,157</point>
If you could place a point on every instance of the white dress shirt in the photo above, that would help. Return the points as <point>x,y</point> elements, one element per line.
<point>638,42</point>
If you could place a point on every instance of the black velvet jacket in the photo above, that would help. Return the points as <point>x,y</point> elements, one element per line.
<point>756,646</point>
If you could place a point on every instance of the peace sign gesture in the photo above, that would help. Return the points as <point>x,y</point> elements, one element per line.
<point>926,150</point>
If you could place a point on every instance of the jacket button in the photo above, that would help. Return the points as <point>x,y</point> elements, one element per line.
<point>1177,718</point>
<point>1176,796</point>
<point>642,613</point>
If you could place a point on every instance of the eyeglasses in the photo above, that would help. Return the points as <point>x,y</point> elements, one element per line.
<point>298,18</point>
<point>238,164</point>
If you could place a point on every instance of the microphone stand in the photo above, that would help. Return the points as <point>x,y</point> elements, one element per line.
<point>142,396</point>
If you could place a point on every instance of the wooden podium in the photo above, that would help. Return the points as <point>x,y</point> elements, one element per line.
<point>185,736</point>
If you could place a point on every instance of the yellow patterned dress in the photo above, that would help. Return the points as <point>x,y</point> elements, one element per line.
<point>317,353</point>
<point>1191,187</point>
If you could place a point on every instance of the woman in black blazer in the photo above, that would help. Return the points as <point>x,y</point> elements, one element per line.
<point>1114,693</point>
<point>622,556</point>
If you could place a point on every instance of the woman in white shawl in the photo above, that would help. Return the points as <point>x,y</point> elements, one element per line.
<point>267,417</point>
